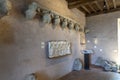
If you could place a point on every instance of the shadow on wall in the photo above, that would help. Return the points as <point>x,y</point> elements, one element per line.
<point>6,33</point>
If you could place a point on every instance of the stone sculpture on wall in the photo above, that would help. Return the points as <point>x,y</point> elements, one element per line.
<point>58,48</point>
<point>5,6</point>
<point>77,28</point>
<point>31,11</point>
<point>46,16</point>
<point>56,20</point>
<point>70,25</point>
<point>64,23</point>
<point>50,17</point>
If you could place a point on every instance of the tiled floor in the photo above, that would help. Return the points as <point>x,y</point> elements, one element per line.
<point>93,74</point>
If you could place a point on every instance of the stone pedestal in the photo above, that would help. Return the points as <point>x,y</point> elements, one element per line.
<point>87,61</point>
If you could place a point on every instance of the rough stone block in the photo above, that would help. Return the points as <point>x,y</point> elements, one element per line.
<point>77,65</point>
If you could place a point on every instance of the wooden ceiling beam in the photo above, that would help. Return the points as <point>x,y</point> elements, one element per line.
<point>98,5</point>
<point>85,9</point>
<point>114,3</point>
<point>77,4</point>
<point>103,12</point>
<point>108,7</point>
<point>91,7</point>
<point>73,3</point>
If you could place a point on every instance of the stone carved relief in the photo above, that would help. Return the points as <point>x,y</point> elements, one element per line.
<point>77,27</point>
<point>56,20</point>
<point>58,48</point>
<point>64,23</point>
<point>51,17</point>
<point>46,16</point>
<point>5,6</point>
<point>70,25</point>
<point>31,11</point>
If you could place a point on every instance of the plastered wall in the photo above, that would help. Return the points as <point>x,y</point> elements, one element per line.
<point>20,43</point>
<point>102,37</point>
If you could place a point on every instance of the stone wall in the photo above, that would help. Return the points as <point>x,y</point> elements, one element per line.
<point>21,50</point>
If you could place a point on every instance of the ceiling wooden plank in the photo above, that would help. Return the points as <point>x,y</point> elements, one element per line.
<point>91,7</point>
<point>103,12</point>
<point>114,3</point>
<point>97,4</point>
<point>85,9</point>
<point>108,7</point>
<point>95,7</point>
<point>73,3</point>
<point>78,4</point>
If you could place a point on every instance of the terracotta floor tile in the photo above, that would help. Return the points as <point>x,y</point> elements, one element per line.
<point>93,74</point>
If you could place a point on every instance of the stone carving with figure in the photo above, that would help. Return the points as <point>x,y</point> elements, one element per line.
<point>46,17</point>
<point>58,48</point>
<point>56,20</point>
<point>77,27</point>
<point>70,25</point>
<point>64,23</point>
<point>49,16</point>
<point>31,11</point>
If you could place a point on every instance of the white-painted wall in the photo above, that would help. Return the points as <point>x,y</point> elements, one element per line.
<point>103,28</point>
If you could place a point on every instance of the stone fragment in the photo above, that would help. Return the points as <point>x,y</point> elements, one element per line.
<point>77,65</point>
